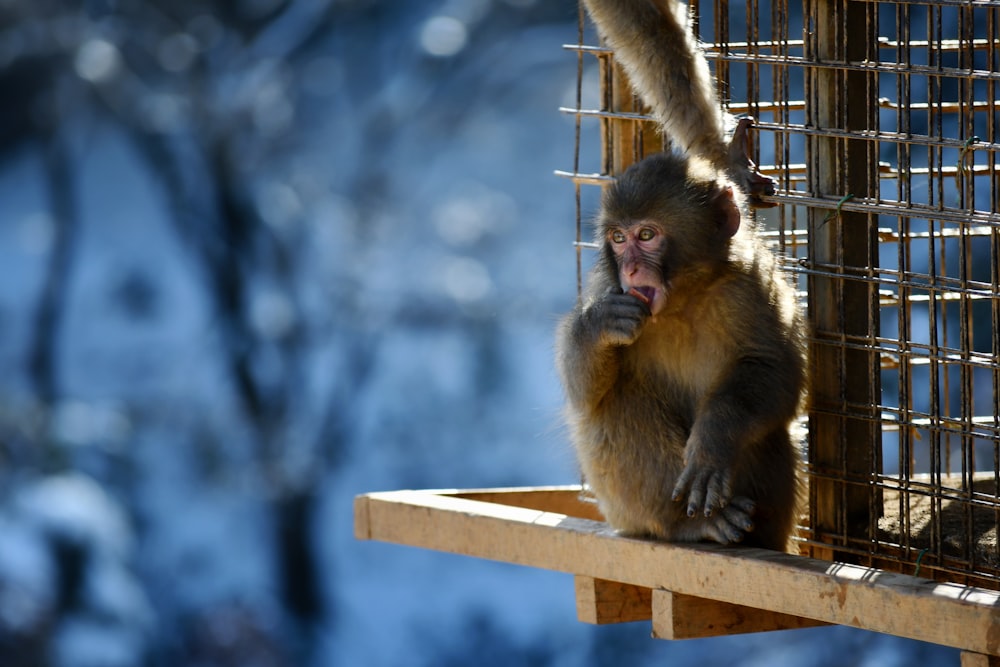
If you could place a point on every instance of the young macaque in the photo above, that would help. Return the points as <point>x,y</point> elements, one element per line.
<point>683,363</point>
<point>654,43</point>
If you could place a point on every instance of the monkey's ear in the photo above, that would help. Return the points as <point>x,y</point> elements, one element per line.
<point>728,211</point>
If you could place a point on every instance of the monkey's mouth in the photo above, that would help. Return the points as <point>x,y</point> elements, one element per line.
<point>644,293</point>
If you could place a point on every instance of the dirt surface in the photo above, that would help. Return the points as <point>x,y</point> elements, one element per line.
<point>957,525</point>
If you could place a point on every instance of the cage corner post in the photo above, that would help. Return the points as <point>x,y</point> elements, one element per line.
<point>844,429</point>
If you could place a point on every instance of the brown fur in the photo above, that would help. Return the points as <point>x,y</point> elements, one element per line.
<point>696,400</point>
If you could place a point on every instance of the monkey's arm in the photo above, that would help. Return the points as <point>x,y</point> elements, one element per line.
<point>661,55</point>
<point>759,395</point>
<point>589,345</point>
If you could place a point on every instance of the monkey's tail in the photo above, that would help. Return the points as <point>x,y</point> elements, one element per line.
<point>653,41</point>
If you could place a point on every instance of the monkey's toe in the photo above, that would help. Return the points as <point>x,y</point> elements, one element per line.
<point>742,169</point>
<point>758,185</point>
<point>725,531</point>
<point>738,518</point>
<point>744,504</point>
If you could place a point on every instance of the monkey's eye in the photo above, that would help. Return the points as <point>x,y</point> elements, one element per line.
<point>646,234</point>
<point>618,236</point>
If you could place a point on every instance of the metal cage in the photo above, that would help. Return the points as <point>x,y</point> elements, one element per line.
<point>878,121</point>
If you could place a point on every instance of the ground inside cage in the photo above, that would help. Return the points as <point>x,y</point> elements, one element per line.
<point>944,520</point>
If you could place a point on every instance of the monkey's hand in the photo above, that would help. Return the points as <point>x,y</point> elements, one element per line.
<point>706,481</point>
<point>616,319</point>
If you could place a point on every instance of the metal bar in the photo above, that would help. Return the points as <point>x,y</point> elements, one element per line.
<point>576,151</point>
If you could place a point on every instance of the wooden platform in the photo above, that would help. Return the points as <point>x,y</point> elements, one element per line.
<point>685,590</point>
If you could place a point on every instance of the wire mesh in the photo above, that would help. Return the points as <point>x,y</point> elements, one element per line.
<point>878,121</point>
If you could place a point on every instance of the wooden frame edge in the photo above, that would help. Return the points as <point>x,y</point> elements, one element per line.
<point>528,533</point>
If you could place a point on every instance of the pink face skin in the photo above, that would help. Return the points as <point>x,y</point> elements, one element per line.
<point>638,249</point>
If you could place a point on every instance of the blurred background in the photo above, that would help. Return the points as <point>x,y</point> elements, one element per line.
<point>260,256</point>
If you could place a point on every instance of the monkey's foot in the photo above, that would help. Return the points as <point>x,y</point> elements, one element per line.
<point>731,524</point>
<point>728,525</point>
<point>742,169</point>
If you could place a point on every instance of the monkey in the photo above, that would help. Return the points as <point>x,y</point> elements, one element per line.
<point>683,363</point>
<point>656,46</point>
<point>684,360</point>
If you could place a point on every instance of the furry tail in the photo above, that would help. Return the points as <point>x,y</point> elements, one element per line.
<point>653,41</point>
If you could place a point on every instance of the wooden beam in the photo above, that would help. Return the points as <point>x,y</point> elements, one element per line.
<point>979,660</point>
<point>674,615</point>
<point>965,617</point>
<point>601,602</point>
<point>679,616</point>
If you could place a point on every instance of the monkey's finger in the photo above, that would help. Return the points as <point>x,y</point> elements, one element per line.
<point>718,493</point>
<point>696,497</point>
<point>625,305</point>
<point>681,486</point>
<point>684,482</point>
<point>622,331</point>
<point>691,484</point>
<point>641,300</point>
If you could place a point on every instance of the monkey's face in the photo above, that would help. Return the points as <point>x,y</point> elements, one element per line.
<point>638,250</point>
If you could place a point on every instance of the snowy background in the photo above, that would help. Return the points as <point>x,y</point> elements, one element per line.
<point>259,257</point>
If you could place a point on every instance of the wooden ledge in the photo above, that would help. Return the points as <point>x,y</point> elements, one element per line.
<point>691,590</point>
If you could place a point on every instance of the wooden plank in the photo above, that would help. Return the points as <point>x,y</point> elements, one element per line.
<point>965,617</point>
<point>679,616</point>
<point>601,602</point>
<point>979,660</point>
